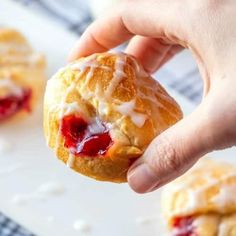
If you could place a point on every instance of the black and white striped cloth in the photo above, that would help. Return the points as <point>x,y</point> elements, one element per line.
<point>75,16</point>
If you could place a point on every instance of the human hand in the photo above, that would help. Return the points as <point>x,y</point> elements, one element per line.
<point>158,29</point>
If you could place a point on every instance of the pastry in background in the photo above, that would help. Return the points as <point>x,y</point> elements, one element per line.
<point>22,74</point>
<point>203,201</point>
<point>101,112</point>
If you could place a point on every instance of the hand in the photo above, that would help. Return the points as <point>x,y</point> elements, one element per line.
<point>158,29</point>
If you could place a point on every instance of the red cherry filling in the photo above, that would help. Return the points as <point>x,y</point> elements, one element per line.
<point>83,138</point>
<point>10,104</point>
<point>183,226</point>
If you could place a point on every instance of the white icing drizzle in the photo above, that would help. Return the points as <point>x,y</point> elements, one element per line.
<point>11,86</point>
<point>68,108</point>
<point>127,109</point>
<point>70,161</point>
<point>96,127</point>
<point>118,75</point>
<point>226,196</point>
<point>82,226</point>
<point>102,108</point>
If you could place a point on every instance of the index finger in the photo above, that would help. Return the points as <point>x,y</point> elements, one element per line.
<point>153,18</point>
<point>100,36</point>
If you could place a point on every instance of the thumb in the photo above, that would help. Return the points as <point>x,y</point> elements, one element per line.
<point>173,152</point>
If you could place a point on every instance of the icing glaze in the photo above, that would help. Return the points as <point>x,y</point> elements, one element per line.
<point>41,194</point>
<point>82,226</point>
<point>118,75</point>
<point>127,109</point>
<point>70,161</point>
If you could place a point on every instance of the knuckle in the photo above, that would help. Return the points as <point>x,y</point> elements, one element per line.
<point>165,155</point>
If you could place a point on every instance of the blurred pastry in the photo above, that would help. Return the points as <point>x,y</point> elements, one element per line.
<point>102,111</point>
<point>22,74</point>
<point>203,201</point>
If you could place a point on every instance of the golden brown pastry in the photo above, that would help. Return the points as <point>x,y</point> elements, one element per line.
<point>203,201</point>
<point>102,111</point>
<point>22,74</point>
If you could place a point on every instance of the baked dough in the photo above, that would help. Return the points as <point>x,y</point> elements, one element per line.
<point>203,201</point>
<point>22,75</point>
<point>102,111</point>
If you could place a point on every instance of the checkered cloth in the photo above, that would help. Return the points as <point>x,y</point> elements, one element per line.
<point>75,16</point>
<point>11,228</point>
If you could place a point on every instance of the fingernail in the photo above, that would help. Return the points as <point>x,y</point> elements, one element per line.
<point>142,178</point>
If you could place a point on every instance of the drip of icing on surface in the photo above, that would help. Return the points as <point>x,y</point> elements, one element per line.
<point>50,219</point>
<point>144,220</point>
<point>127,109</point>
<point>44,191</point>
<point>51,188</point>
<point>5,146</point>
<point>82,226</point>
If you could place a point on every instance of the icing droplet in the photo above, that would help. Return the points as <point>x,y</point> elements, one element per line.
<point>143,220</point>
<point>41,194</point>
<point>51,188</point>
<point>5,146</point>
<point>50,219</point>
<point>82,226</point>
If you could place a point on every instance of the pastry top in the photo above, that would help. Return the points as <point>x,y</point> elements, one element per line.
<point>16,51</point>
<point>112,89</point>
<point>116,89</point>
<point>209,187</point>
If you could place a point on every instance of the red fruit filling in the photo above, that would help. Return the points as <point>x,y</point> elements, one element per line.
<point>10,104</point>
<point>183,226</point>
<point>83,138</point>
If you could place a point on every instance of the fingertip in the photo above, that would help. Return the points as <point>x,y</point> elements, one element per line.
<point>142,179</point>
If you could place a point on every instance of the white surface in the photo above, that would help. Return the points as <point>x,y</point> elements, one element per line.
<point>56,197</point>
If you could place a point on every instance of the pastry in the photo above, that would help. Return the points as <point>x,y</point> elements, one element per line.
<point>22,74</point>
<point>102,111</point>
<point>203,201</point>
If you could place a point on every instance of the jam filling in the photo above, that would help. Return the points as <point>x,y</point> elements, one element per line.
<point>85,139</point>
<point>183,226</point>
<point>11,104</point>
